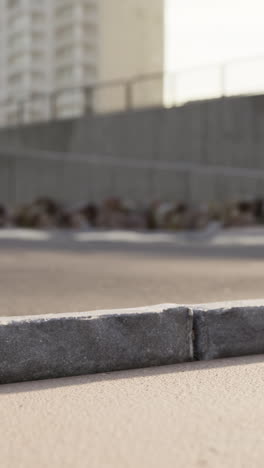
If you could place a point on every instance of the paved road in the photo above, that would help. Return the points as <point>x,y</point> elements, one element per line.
<point>194,415</point>
<point>61,275</point>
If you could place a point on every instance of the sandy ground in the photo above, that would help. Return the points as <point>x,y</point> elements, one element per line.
<point>192,415</point>
<point>185,416</point>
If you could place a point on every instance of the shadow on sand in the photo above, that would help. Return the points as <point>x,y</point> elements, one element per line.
<point>197,366</point>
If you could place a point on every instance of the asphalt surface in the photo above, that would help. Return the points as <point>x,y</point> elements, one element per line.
<point>202,414</point>
<point>60,275</point>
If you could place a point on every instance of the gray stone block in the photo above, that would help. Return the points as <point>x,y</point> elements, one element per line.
<point>73,344</point>
<point>228,329</point>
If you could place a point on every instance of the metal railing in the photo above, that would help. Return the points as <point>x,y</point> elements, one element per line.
<point>236,77</point>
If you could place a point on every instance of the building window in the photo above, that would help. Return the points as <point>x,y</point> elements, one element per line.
<point>13,3</point>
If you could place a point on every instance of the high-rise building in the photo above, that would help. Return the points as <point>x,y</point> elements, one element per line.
<point>24,54</point>
<point>53,52</point>
<point>75,53</point>
<point>132,44</point>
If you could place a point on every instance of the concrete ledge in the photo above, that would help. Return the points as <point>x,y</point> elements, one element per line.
<point>228,329</point>
<point>73,344</point>
<point>62,345</point>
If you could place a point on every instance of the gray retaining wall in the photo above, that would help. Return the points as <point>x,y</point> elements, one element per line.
<point>221,133</point>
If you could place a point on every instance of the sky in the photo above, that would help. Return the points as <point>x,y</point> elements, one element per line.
<point>210,32</point>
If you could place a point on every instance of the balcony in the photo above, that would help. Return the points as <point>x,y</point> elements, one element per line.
<point>17,48</point>
<point>20,8</point>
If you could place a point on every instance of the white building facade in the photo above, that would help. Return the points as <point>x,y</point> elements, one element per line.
<point>53,53</point>
<point>25,50</point>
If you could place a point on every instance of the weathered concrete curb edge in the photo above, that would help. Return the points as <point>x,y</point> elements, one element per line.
<point>52,346</point>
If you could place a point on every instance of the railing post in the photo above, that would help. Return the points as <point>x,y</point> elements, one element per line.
<point>223,80</point>
<point>93,98</point>
<point>20,112</point>
<point>53,105</point>
<point>88,99</point>
<point>128,95</point>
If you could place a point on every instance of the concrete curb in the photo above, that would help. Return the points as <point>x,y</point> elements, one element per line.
<point>51,346</point>
<point>228,329</point>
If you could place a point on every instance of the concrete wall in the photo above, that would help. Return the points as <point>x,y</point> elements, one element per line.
<point>149,146</point>
<point>73,178</point>
<point>56,136</point>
